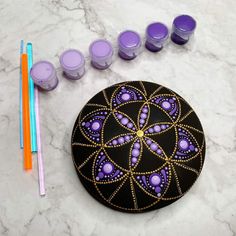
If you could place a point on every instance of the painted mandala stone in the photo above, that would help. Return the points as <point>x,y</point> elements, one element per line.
<point>137,146</point>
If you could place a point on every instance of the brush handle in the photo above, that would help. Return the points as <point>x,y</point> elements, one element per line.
<point>26,114</point>
<point>29,50</point>
<point>40,157</point>
<point>20,94</point>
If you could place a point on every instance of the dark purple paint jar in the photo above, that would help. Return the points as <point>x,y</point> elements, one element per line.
<point>129,43</point>
<point>101,52</point>
<point>73,64</point>
<point>156,35</point>
<point>182,29</point>
<point>44,75</point>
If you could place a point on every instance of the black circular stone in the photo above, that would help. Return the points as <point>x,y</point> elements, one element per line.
<point>137,146</point>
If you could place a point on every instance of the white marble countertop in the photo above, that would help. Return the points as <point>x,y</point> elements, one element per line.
<point>203,72</point>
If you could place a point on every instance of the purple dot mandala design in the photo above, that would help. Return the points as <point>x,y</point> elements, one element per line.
<point>105,170</point>
<point>186,147</point>
<point>156,183</point>
<point>137,146</point>
<point>168,103</point>
<point>92,125</point>
<point>125,94</point>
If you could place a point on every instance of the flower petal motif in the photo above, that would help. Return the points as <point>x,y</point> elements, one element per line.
<point>92,125</point>
<point>168,104</point>
<point>154,147</point>
<point>157,128</point>
<point>187,146</point>
<point>120,140</point>
<point>125,121</point>
<point>143,116</point>
<point>135,153</point>
<point>126,94</point>
<point>155,183</point>
<point>105,170</point>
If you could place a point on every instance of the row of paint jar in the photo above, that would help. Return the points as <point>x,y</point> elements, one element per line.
<point>129,43</point>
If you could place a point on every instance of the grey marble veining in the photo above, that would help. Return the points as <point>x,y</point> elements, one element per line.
<point>203,72</point>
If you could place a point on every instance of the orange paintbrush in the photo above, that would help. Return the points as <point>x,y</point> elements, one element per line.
<point>26,113</point>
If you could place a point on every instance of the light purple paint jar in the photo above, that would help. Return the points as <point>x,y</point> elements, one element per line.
<point>73,64</point>
<point>44,75</point>
<point>101,52</point>
<point>182,29</point>
<point>129,43</point>
<point>156,36</point>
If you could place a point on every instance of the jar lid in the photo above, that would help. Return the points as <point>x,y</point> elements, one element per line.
<point>129,40</point>
<point>157,31</point>
<point>42,71</point>
<point>185,24</point>
<point>100,49</point>
<point>72,59</point>
<point>137,146</point>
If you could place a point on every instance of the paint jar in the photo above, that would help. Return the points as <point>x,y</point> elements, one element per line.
<point>101,52</point>
<point>44,75</point>
<point>182,29</point>
<point>129,43</point>
<point>156,36</point>
<point>73,64</point>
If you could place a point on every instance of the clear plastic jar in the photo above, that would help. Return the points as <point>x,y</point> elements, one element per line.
<point>73,64</point>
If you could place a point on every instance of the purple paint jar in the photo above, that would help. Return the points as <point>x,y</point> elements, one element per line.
<point>129,43</point>
<point>72,62</point>
<point>156,35</point>
<point>44,75</point>
<point>182,29</point>
<point>101,52</point>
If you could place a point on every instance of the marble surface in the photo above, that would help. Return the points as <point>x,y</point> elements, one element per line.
<point>203,72</point>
